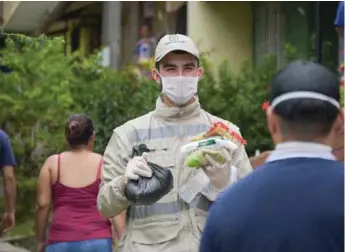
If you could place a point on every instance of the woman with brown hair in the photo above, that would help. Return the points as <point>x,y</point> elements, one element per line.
<point>69,181</point>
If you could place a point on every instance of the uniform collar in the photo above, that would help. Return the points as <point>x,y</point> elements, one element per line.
<point>173,113</point>
<point>301,150</point>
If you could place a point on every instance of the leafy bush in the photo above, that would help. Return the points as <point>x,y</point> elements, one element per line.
<point>44,88</point>
<point>110,98</point>
<point>238,98</point>
<point>34,103</point>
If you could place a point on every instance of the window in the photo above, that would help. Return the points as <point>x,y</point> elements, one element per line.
<point>75,38</point>
<point>181,20</point>
<point>268,32</point>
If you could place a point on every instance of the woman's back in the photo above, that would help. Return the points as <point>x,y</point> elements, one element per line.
<point>69,183</point>
<point>75,179</point>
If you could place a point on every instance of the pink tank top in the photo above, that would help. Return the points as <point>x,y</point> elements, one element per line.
<point>75,214</point>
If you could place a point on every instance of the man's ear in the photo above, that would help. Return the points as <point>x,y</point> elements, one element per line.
<point>200,72</point>
<point>339,123</point>
<point>155,75</point>
<point>273,125</point>
<point>270,124</point>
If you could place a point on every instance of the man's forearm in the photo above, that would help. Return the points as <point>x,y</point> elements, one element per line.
<point>110,200</point>
<point>120,224</point>
<point>10,190</point>
<point>41,221</point>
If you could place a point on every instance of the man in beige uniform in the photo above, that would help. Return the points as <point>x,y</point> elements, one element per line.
<point>171,224</point>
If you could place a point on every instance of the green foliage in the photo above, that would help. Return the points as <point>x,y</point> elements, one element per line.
<point>34,103</point>
<point>238,98</point>
<point>110,98</point>
<point>44,88</point>
<point>35,97</point>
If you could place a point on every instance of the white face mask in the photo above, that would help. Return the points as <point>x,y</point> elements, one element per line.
<point>179,89</point>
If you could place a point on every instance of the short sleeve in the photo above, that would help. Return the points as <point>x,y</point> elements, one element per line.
<point>6,153</point>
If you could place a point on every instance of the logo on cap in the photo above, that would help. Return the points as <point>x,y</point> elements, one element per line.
<point>173,38</point>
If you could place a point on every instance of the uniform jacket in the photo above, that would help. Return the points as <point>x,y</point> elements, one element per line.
<point>169,225</point>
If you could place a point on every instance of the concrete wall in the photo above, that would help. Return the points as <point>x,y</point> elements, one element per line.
<point>8,10</point>
<point>223,30</point>
<point>26,16</point>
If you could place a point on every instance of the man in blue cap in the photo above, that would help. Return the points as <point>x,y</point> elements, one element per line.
<point>295,202</point>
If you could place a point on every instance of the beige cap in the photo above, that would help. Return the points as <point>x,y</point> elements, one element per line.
<point>175,42</point>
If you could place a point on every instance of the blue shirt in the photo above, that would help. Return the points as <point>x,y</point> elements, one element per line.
<point>339,18</point>
<point>290,204</point>
<point>6,153</point>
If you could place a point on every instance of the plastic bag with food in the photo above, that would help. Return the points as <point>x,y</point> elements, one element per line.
<point>147,191</point>
<point>209,143</point>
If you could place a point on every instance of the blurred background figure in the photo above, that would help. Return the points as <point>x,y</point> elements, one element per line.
<point>339,20</point>
<point>146,45</point>
<point>7,163</point>
<point>145,49</point>
<point>69,181</point>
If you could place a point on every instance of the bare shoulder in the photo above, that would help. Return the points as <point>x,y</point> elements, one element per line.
<point>96,155</point>
<point>50,161</point>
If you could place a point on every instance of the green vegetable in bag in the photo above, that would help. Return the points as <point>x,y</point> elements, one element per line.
<point>197,158</point>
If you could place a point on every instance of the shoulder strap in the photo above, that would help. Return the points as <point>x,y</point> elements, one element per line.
<point>99,168</point>
<point>58,168</point>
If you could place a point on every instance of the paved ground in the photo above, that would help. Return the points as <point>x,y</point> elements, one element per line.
<point>6,247</point>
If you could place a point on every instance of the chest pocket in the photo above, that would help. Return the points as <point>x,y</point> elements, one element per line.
<point>163,158</point>
<point>167,160</point>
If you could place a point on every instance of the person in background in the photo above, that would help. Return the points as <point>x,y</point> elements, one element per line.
<point>145,47</point>
<point>69,182</point>
<point>339,19</point>
<point>339,27</point>
<point>7,163</point>
<point>295,202</point>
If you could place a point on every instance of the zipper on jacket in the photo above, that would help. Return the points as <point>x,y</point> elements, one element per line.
<point>180,138</point>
